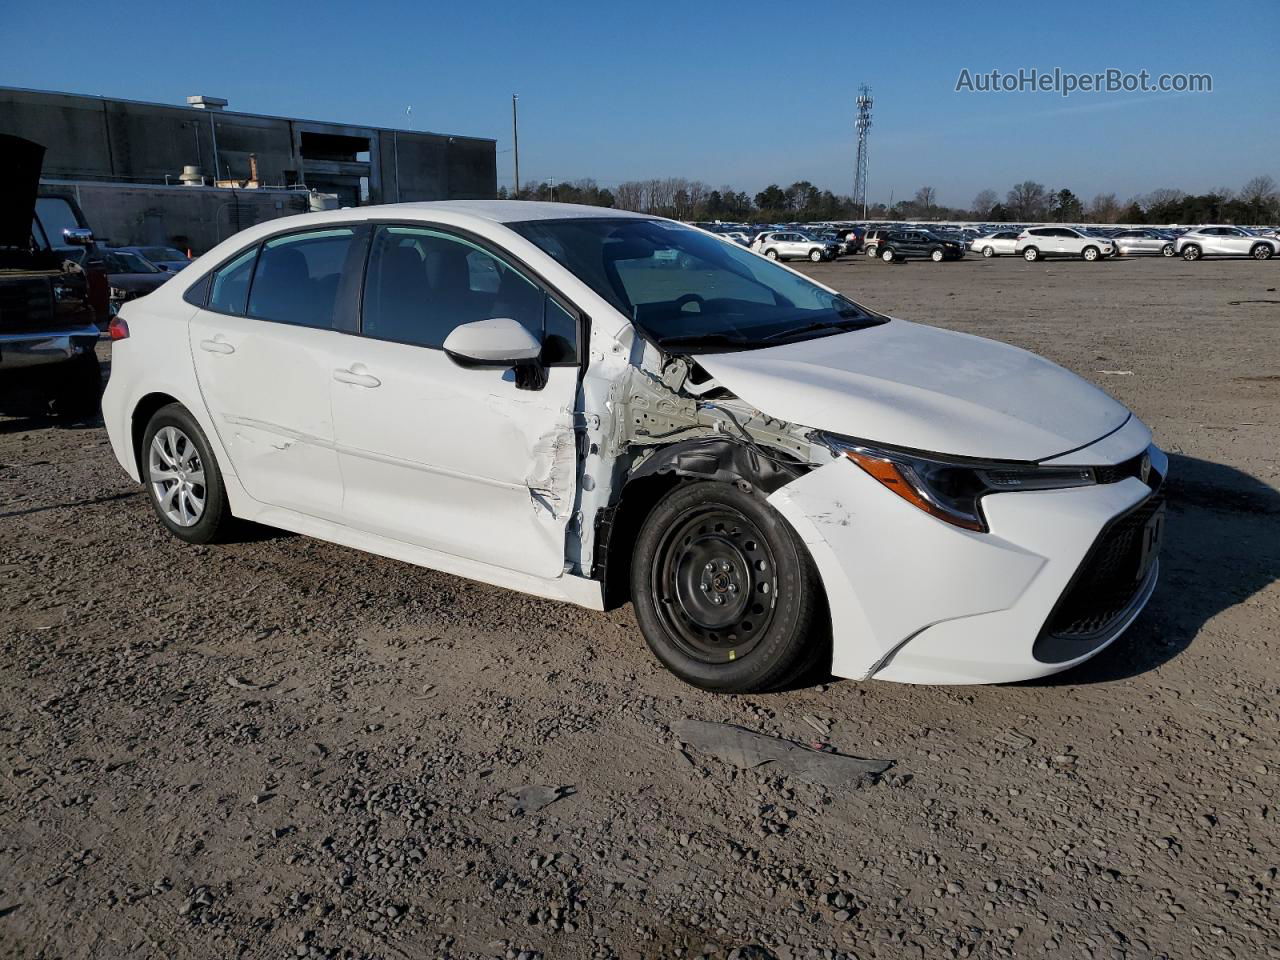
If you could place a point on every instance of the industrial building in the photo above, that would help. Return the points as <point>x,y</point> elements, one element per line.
<point>193,175</point>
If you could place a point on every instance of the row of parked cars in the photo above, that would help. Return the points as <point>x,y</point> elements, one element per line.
<point>893,242</point>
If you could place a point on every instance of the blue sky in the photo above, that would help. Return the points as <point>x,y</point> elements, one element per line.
<point>732,93</point>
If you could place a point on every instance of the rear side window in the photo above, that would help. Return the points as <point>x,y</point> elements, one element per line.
<point>230,288</point>
<point>298,276</point>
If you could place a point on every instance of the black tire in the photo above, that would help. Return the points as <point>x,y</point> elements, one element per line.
<point>988,252</point>
<point>1031,254</point>
<point>77,393</point>
<point>872,251</point>
<point>768,627</point>
<point>936,255</point>
<point>1191,252</point>
<point>888,256</point>
<point>1168,250</point>
<point>816,256</point>
<point>1091,254</point>
<point>1261,251</point>
<point>771,253</point>
<point>215,520</point>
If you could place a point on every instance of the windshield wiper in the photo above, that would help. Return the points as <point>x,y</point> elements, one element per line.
<point>816,326</point>
<point>705,339</point>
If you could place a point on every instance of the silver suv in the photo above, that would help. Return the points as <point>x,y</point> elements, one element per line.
<point>1225,242</point>
<point>792,245</point>
<point>1036,242</point>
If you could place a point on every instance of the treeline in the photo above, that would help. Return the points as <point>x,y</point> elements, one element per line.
<point>1258,201</point>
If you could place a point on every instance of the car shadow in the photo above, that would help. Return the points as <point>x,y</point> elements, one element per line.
<point>1222,546</point>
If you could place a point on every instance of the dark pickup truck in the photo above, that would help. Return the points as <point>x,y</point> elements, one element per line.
<point>49,313</point>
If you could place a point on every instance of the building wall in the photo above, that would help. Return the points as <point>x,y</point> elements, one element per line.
<point>92,138</point>
<point>195,218</point>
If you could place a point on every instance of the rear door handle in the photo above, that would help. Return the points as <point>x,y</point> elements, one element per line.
<point>356,378</point>
<point>217,346</point>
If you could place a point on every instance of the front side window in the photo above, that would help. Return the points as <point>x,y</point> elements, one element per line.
<point>298,276</point>
<point>422,283</point>
<point>717,297</point>
<point>230,289</point>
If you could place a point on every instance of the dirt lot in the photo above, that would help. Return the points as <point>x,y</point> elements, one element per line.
<point>284,748</point>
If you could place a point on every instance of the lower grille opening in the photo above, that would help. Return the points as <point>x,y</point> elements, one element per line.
<point>1103,590</point>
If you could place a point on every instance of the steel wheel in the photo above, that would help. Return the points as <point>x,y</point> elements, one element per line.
<point>176,475</point>
<point>715,579</point>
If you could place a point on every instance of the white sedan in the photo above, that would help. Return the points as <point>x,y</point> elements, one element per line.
<point>598,406</point>
<point>1004,243</point>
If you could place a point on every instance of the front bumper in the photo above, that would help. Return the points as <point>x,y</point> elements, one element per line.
<point>917,600</point>
<point>21,350</point>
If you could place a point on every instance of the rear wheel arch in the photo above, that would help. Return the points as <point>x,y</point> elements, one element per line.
<point>142,414</point>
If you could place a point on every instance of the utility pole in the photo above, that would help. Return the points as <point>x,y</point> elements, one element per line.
<point>863,126</point>
<point>515,141</point>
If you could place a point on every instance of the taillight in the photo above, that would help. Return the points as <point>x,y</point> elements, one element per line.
<point>118,328</point>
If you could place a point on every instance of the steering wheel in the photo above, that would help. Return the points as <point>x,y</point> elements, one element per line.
<point>690,298</point>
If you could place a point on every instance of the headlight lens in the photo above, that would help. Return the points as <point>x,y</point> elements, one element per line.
<point>951,490</point>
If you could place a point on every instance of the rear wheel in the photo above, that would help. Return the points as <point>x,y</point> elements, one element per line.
<point>724,591</point>
<point>1089,253</point>
<point>1031,254</point>
<point>872,251</point>
<point>183,478</point>
<point>1191,252</point>
<point>1261,251</point>
<point>771,253</point>
<point>1167,250</point>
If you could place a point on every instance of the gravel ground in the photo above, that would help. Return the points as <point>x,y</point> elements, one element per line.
<point>285,748</point>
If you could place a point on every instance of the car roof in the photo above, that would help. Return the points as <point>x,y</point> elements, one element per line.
<point>499,211</point>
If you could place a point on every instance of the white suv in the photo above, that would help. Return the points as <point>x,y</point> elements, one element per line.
<point>1036,242</point>
<point>1225,242</point>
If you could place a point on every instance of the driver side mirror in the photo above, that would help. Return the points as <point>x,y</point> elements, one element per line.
<point>77,236</point>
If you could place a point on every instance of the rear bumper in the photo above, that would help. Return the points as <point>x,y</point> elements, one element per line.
<point>917,600</point>
<point>22,350</point>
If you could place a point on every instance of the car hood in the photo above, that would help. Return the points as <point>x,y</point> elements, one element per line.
<point>20,162</point>
<point>135,282</point>
<point>913,386</point>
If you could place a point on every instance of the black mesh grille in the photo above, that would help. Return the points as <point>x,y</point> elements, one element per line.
<point>1120,471</point>
<point>1103,589</point>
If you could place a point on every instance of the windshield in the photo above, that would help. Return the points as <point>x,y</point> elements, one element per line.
<point>157,254</point>
<point>121,261</point>
<point>690,292</point>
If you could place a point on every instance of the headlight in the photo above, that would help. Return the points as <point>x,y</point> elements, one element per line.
<point>951,490</point>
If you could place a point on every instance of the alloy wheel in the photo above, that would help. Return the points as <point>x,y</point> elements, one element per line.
<point>176,476</point>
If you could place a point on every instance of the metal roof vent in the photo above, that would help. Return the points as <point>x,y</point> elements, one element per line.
<point>206,103</point>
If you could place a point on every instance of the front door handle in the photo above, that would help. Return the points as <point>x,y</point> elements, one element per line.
<point>356,378</point>
<point>217,346</point>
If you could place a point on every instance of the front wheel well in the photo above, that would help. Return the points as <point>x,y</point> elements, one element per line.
<point>751,468</point>
<point>142,414</point>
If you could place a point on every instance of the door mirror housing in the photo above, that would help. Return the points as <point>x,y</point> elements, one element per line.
<point>77,236</point>
<point>500,342</point>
